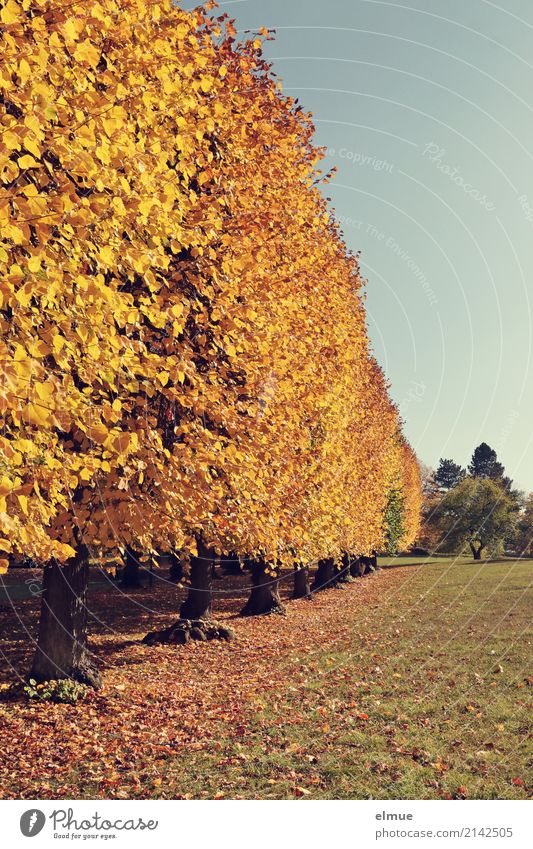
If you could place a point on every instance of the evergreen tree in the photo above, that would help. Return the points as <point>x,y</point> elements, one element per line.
<point>448,474</point>
<point>484,463</point>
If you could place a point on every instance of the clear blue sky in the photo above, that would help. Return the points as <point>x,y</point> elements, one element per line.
<point>426,109</point>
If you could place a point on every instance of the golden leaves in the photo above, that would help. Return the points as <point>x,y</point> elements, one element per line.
<point>105,255</point>
<point>24,71</point>
<point>103,153</point>
<point>27,161</point>
<point>34,264</point>
<point>11,12</point>
<point>87,53</point>
<point>176,310</point>
<point>183,313</point>
<point>124,442</point>
<point>98,433</point>
<point>6,485</point>
<point>206,84</point>
<point>37,414</point>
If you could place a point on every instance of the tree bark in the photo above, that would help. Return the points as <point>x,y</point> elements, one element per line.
<point>302,588</point>
<point>476,551</point>
<point>175,570</point>
<point>198,604</point>
<point>344,576</point>
<point>264,596</point>
<point>131,573</point>
<point>357,569</point>
<point>62,643</point>
<point>231,564</point>
<point>325,575</point>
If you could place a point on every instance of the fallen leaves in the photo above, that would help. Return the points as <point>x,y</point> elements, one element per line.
<point>301,791</point>
<point>246,719</point>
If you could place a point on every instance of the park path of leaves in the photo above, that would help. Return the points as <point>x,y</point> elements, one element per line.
<point>165,701</point>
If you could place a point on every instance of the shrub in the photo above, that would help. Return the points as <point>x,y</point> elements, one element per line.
<point>64,690</point>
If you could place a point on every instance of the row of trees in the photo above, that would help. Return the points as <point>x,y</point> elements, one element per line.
<point>475,508</point>
<point>184,357</point>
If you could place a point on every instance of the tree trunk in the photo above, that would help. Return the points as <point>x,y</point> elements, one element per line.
<point>344,576</point>
<point>301,582</point>
<point>325,575</point>
<point>131,573</point>
<point>175,570</point>
<point>199,599</point>
<point>357,569</point>
<point>476,551</point>
<point>264,596</point>
<point>231,564</point>
<point>62,644</point>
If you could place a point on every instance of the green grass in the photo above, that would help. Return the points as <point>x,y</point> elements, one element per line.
<point>428,697</point>
<point>412,683</point>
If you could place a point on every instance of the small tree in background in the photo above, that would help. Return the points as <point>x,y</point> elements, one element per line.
<point>485,464</point>
<point>448,474</point>
<point>428,536</point>
<point>394,524</point>
<point>524,539</point>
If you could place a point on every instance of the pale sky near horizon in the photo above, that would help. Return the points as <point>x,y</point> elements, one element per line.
<point>426,110</point>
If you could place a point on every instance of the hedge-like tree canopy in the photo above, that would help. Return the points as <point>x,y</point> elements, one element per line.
<point>183,342</point>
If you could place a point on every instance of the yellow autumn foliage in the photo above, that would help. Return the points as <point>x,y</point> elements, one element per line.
<point>183,346</point>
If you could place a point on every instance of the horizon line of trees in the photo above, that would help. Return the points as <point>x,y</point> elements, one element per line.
<point>475,508</point>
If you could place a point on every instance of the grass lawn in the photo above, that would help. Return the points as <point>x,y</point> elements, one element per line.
<point>412,683</point>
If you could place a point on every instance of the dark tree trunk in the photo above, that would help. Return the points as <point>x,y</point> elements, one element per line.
<point>131,579</point>
<point>199,599</point>
<point>301,582</point>
<point>175,571</point>
<point>344,576</point>
<point>325,575</point>
<point>62,644</point>
<point>368,564</point>
<point>231,564</point>
<point>476,551</point>
<point>264,596</point>
<point>357,569</point>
